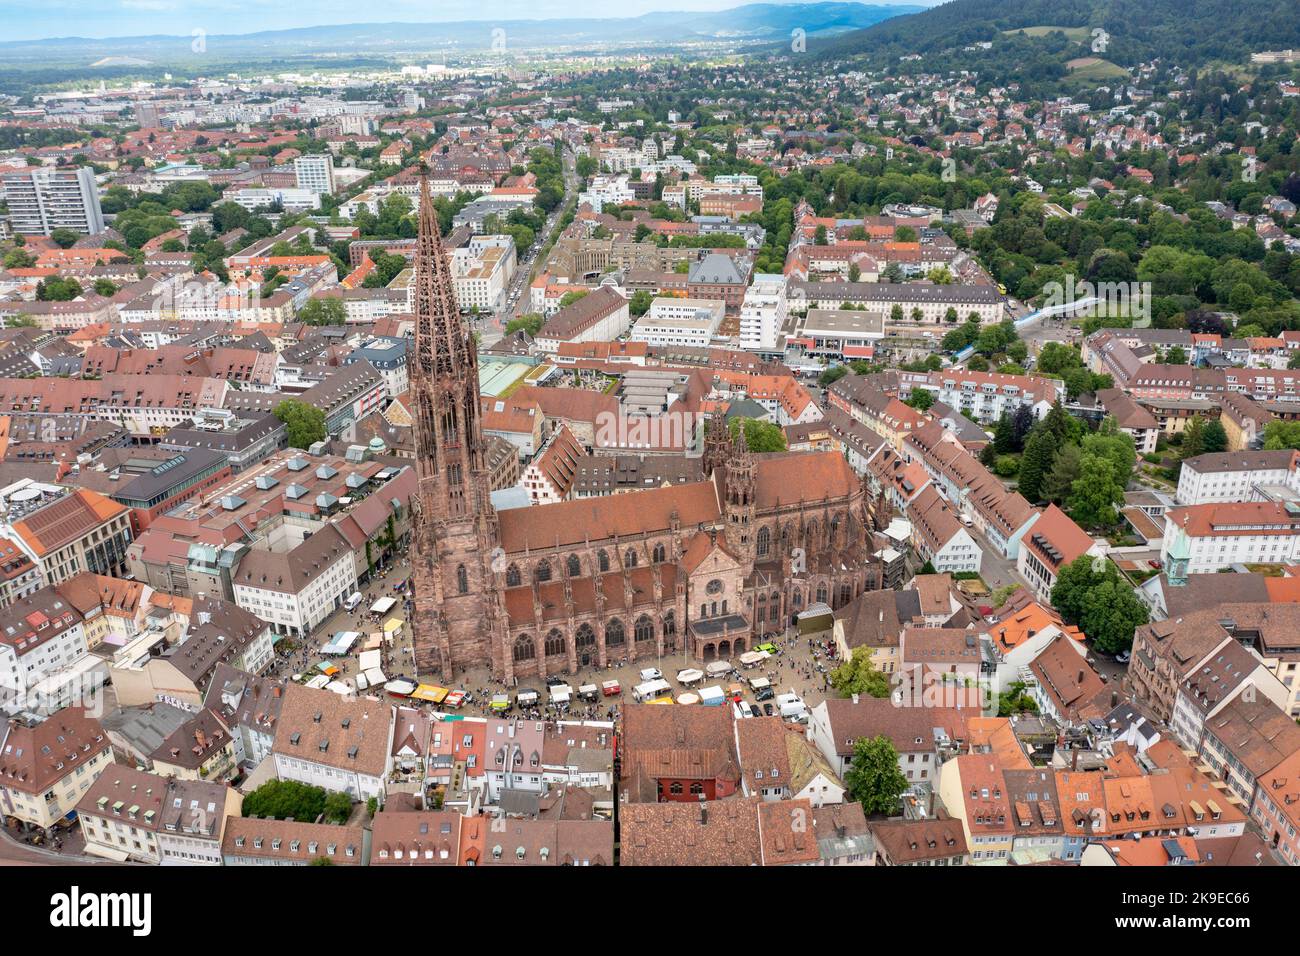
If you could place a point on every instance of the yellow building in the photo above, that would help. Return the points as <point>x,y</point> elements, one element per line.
<point>46,767</point>
<point>972,790</point>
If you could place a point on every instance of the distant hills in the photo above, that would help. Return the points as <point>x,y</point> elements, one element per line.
<point>1190,32</point>
<point>758,21</point>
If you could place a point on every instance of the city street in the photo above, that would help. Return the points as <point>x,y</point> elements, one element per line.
<point>517,296</point>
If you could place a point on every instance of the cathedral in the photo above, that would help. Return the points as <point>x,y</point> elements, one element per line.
<point>704,570</point>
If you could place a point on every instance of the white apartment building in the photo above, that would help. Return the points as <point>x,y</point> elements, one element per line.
<point>512,756</point>
<point>691,322</point>
<point>738,184</point>
<point>315,173</point>
<point>131,814</point>
<point>606,190</point>
<point>987,395</point>
<point>763,311</point>
<point>42,199</point>
<point>47,766</point>
<point>290,200</point>
<point>600,316</point>
<point>1238,476</point>
<point>337,743</point>
<point>42,639</point>
<point>620,159</point>
<point>1229,671</point>
<point>295,592</point>
<point>675,195</point>
<point>1209,537</point>
<point>481,272</point>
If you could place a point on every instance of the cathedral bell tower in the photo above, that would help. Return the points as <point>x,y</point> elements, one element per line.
<point>740,490</point>
<point>717,444</point>
<point>458,608</point>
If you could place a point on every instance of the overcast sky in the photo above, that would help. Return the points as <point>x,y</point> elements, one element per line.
<point>35,19</point>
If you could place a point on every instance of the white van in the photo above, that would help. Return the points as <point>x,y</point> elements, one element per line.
<point>353,600</point>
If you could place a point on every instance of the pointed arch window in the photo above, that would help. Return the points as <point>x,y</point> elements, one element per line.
<point>513,578</point>
<point>462,580</point>
<point>615,636</point>
<point>525,649</point>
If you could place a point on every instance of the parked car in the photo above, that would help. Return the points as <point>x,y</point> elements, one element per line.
<point>1122,657</point>
<point>768,709</point>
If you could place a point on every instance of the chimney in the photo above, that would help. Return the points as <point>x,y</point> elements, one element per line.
<point>200,737</point>
<point>1081,677</point>
<point>704,816</point>
<point>1074,758</point>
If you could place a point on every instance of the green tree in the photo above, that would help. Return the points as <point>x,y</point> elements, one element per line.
<point>832,375</point>
<point>921,399</point>
<point>1214,437</point>
<point>1280,434</point>
<point>1004,437</point>
<point>327,310</point>
<point>285,800</point>
<point>760,436</point>
<point>22,259</point>
<point>57,289</point>
<point>530,322</point>
<point>873,778</point>
<point>64,238</point>
<point>1059,482</point>
<point>338,807</point>
<point>1014,700</point>
<point>1091,594</point>
<point>1036,462</point>
<point>1057,357</point>
<point>857,675</point>
<point>1097,493</point>
<point>305,423</point>
<point>640,303</point>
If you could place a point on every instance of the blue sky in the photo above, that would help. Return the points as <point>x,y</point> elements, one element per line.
<point>35,19</point>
